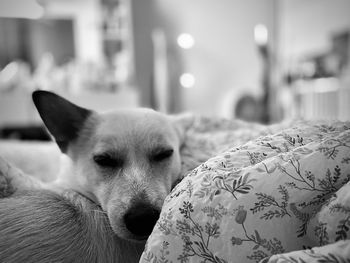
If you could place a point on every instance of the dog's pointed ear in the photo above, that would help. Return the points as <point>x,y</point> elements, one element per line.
<point>62,118</point>
<point>182,123</point>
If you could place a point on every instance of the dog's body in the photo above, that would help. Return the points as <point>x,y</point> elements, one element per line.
<point>42,226</point>
<point>125,161</point>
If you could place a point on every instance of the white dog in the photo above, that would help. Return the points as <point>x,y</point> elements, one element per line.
<point>125,161</point>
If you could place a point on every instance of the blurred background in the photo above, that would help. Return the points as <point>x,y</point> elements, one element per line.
<point>256,60</point>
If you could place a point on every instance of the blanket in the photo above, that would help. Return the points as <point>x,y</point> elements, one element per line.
<point>267,194</point>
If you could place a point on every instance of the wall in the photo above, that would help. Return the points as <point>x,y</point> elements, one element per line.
<point>305,27</point>
<point>143,22</point>
<point>87,25</point>
<point>224,59</point>
<point>12,44</point>
<point>54,36</point>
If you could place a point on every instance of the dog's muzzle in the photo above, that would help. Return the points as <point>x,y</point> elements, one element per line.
<point>141,218</point>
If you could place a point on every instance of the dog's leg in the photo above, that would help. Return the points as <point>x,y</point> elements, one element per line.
<point>13,179</point>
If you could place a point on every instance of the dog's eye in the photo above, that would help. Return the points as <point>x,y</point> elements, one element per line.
<point>163,155</point>
<point>107,161</point>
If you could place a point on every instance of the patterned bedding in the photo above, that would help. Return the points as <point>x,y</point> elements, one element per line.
<point>258,194</point>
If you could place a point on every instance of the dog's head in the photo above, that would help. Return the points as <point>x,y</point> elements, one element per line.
<point>127,161</point>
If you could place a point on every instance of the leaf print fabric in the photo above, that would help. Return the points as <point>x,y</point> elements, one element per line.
<point>274,190</point>
<point>334,253</point>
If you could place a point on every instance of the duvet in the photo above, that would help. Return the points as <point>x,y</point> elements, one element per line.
<point>258,194</point>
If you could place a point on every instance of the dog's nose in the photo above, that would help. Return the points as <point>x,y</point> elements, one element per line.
<point>141,218</point>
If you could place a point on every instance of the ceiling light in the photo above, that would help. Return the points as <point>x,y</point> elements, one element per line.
<point>187,80</point>
<point>185,41</point>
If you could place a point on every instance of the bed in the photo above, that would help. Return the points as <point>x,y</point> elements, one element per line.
<point>253,193</point>
<point>277,193</point>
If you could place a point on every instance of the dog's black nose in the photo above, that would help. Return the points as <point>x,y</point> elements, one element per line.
<point>141,218</point>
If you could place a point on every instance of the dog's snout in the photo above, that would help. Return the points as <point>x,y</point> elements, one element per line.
<point>141,218</point>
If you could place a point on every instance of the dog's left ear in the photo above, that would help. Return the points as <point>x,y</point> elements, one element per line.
<point>182,123</point>
<point>63,119</point>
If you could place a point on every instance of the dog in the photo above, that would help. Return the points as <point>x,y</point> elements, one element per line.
<point>125,161</point>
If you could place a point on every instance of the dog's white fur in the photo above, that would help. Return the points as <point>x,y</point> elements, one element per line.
<point>42,226</point>
<point>124,161</point>
<point>131,135</point>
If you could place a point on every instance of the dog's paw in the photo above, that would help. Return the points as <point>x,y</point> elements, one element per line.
<point>13,179</point>
<point>6,186</point>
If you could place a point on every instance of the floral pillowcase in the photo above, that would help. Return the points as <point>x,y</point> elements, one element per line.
<point>265,197</point>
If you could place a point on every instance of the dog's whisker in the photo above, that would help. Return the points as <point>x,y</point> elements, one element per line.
<point>99,211</point>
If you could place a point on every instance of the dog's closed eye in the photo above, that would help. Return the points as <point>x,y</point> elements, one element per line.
<point>107,161</point>
<point>162,155</point>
